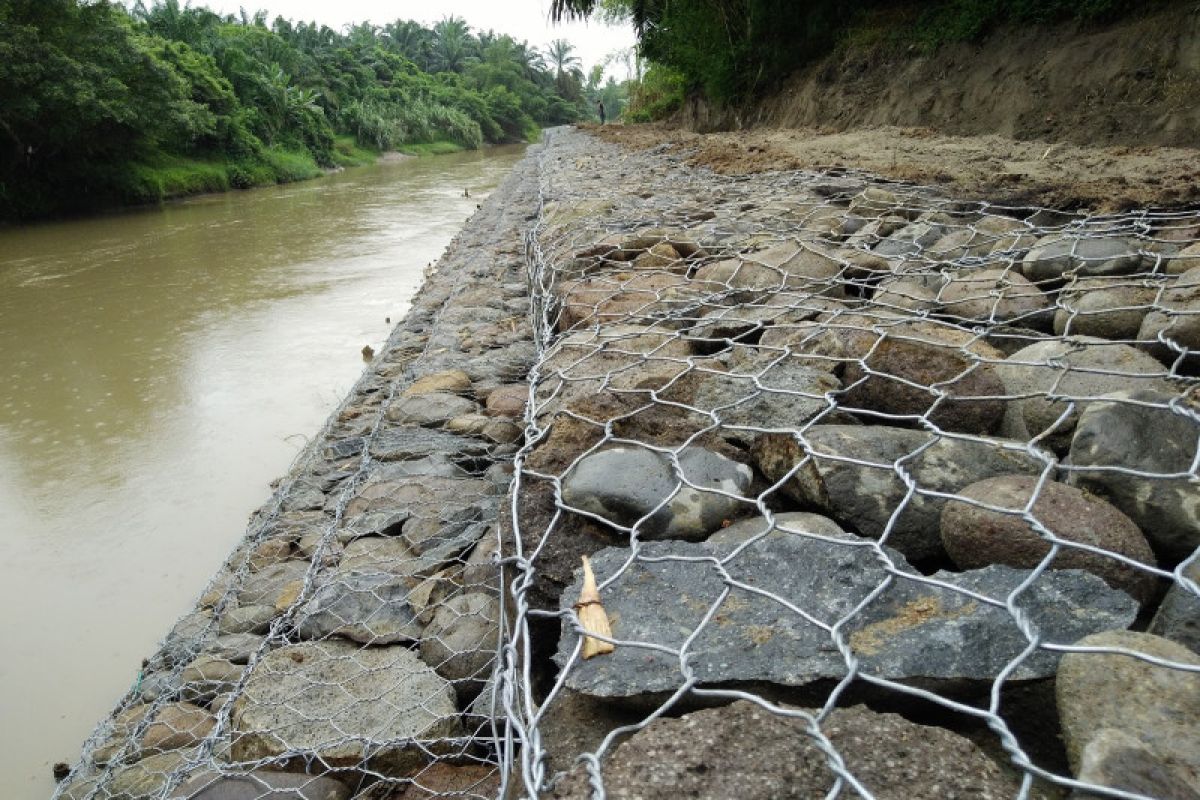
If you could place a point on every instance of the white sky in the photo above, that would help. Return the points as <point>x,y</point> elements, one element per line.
<point>522,19</point>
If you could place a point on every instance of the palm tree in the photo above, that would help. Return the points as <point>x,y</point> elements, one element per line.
<point>411,40</point>
<point>452,44</point>
<point>559,53</point>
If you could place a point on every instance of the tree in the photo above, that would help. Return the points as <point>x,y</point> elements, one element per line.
<point>102,105</point>
<point>559,53</point>
<point>452,45</point>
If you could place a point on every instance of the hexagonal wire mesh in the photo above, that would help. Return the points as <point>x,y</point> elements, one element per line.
<point>342,649</point>
<point>827,441</point>
<point>830,440</point>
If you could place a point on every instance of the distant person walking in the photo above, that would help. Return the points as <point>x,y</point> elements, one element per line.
<point>600,110</point>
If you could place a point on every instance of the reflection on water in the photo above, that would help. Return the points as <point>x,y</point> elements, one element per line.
<point>157,369</point>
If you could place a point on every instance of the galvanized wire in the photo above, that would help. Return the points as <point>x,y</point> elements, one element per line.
<point>646,272</point>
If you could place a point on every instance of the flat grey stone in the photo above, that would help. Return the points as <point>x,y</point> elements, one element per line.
<point>624,484</point>
<point>911,632</point>
<point>852,478</point>
<point>247,619</point>
<point>430,410</point>
<point>191,634</point>
<point>460,642</point>
<point>429,510</point>
<point>339,701</point>
<point>412,443</point>
<point>367,608</point>
<point>235,647</point>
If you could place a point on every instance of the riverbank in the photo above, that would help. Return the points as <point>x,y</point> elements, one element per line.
<point>869,454</point>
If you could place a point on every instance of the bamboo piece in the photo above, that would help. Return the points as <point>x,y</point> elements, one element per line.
<point>591,615</point>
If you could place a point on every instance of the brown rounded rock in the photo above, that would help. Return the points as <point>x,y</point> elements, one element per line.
<point>177,725</point>
<point>972,389</point>
<point>453,381</point>
<point>508,400</point>
<point>978,537</point>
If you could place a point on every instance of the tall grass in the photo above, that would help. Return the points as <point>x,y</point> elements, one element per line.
<point>161,177</point>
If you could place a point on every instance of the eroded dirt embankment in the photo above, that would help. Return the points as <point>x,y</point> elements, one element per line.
<point>1066,116</point>
<point>1008,172</point>
<point>1136,83</point>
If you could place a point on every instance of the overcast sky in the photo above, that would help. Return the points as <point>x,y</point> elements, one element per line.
<point>521,19</point>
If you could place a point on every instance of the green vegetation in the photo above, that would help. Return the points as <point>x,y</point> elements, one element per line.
<point>733,50</point>
<point>101,105</point>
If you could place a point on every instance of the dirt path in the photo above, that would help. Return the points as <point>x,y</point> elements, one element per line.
<point>1003,170</point>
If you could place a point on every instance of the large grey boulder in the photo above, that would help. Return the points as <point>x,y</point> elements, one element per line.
<point>1110,309</point>
<point>1115,759</point>
<point>663,596</point>
<point>1053,256</point>
<point>766,396</point>
<point>1054,380</point>
<point>1136,450</point>
<point>950,386</point>
<point>1155,705</point>
<point>338,701</point>
<point>1174,324</point>
<point>994,295</point>
<point>745,751</point>
<point>623,484</point>
<point>855,475</point>
<point>1178,617</point>
<point>430,410</point>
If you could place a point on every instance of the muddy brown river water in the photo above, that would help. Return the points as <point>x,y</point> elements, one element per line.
<point>158,369</point>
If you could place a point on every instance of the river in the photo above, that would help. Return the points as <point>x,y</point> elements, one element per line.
<point>158,369</point>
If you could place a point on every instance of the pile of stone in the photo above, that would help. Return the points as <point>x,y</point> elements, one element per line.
<point>886,493</point>
<point>831,442</point>
<point>342,650</point>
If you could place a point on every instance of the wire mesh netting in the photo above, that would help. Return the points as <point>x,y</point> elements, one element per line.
<point>343,648</point>
<point>886,494</point>
<point>879,493</point>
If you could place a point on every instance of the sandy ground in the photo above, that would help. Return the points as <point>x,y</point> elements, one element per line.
<point>1054,175</point>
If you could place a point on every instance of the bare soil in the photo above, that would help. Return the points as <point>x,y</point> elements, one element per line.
<point>995,168</point>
